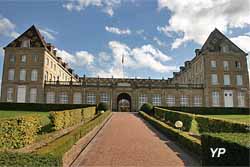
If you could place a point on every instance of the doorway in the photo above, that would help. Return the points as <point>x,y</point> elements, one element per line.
<point>123,102</point>
<point>228,98</point>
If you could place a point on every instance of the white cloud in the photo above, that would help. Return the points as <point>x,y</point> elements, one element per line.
<point>242,42</point>
<point>159,42</point>
<point>79,59</point>
<point>48,33</point>
<point>118,31</point>
<point>107,6</point>
<point>194,20</point>
<point>1,51</point>
<point>7,28</point>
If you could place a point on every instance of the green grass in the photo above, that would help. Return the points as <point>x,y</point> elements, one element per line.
<point>237,118</point>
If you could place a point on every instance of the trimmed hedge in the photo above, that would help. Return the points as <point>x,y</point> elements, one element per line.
<point>207,124</point>
<point>66,118</point>
<point>102,107</point>
<point>18,132</point>
<point>147,108</point>
<point>172,116</point>
<point>237,147</point>
<point>191,143</point>
<point>211,110</point>
<point>40,106</point>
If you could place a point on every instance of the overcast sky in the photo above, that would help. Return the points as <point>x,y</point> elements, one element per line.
<point>154,37</point>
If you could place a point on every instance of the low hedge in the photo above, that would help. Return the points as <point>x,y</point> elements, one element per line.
<point>172,116</point>
<point>191,143</point>
<point>60,146</point>
<point>40,106</point>
<point>237,147</point>
<point>18,132</point>
<point>66,118</point>
<point>147,108</point>
<point>207,124</point>
<point>211,110</point>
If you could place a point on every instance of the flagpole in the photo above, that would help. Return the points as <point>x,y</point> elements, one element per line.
<point>122,66</point>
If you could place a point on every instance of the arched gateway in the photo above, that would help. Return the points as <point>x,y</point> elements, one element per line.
<point>124,102</point>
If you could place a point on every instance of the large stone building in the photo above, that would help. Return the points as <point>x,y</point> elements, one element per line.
<point>216,77</point>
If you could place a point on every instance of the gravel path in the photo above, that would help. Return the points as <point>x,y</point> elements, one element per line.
<point>129,141</point>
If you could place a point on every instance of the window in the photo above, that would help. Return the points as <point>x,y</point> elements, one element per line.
<point>214,79</point>
<point>142,99</point>
<point>25,43</point>
<point>239,81</point>
<point>237,64</point>
<point>34,75</point>
<point>91,98</point>
<point>55,67</point>
<point>184,101</point>
<point>63,98</point>
<point>12,59</point>
<point>197,101</point>
<point>51,64</point>
<point>47,61</point>
<point>46,76</point>
<point>11,74</point>
<point>241,99</point>
<point>50,97</point>
<point>215,99</point>
<point>104,98</point>
<point>156,100</point>
<point>50,77</point>
<point>170,101</point>
<point>226,65</point>
<point>23,58</point>
<point>77,98</point>
<point>35,58</point>
<point>22,76</point>
<point>213,64</point>
<point>10,96</point>
<point>226,79</point>
<point>224,49</point>
<point>33,94</point>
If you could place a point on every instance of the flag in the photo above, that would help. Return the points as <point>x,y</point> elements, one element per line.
<point>122,59</point>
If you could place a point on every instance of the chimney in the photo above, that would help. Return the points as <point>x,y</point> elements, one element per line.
<point>197,52</point>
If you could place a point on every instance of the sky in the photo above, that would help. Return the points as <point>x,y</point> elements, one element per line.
<point>153,37</point>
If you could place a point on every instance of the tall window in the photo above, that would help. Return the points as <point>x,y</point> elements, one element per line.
<point>23,59</point>
<point>237,65</point>
<point>47,61</point>
<point>25,43</point>
<point>91,98</point>
<point>11,74</point>
<point>77,98</point>
<point>225,48</point>
<point>156,100</point>
<point>22,76</point>
<point>213,64</point>
<point>239,81</point>
<point>33,94</point>
<point>215,99</point>
<point>197,101</point>
<point>34,75</point>
<point>10,92</point>
<point>214,79</point>
<point>171,100</point>
<point>46,76</point>
<point>241,99</point>
<point>12,59</point>
<point>226,79</point>
<point>63,98</point>
<point>142,99</point>
<point>35,58</point>
<point>104,98</point>
<point>184,101</point>
<point>226,65</point>
<point>50,97</point>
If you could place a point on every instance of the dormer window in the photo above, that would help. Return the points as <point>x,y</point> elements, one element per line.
<point>224,49</point>
<point>25,43</point>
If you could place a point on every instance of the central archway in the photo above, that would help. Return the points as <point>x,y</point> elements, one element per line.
<point>124,102</point>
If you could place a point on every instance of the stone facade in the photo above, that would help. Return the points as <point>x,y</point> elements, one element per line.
<point>216,77</point>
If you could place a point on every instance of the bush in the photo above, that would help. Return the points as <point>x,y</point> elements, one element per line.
<point>189,142</point>
<point>102,107</point>
<point>172,116</point>
<point>147,108</point>
<point>66,118</point>
<point>237,147</point>
<point>18,132</point>
<point>207,124</point>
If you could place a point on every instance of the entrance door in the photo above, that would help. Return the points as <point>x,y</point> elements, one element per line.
<point>21,94</point>
<point>124,102</point>
<point>228,98</point>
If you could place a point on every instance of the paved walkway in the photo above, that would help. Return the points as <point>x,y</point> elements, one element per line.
<point>126,140</point>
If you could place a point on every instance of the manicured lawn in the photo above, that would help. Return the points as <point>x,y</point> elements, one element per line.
<point>237,118</point>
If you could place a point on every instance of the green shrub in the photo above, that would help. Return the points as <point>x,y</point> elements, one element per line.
<point>18,132</point>
<point>102,107</point>
<point>147,108</point>
<point>208,124</point>
<point>172,116</point>
<point>182,138</point>
<point>237,147</point>
<point>66,118</point>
